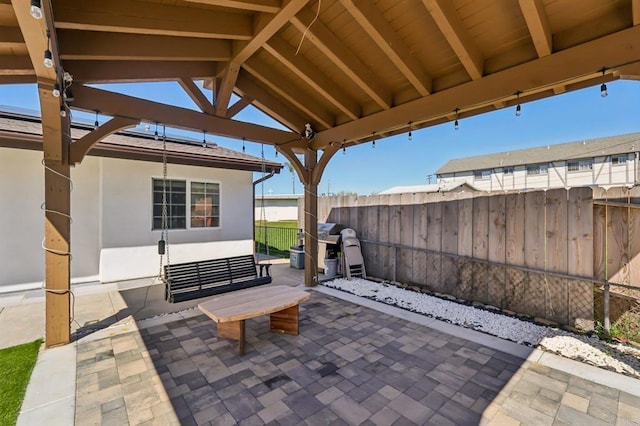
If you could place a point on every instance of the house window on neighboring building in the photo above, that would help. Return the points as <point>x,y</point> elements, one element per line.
<point>507,170</point>
<point>580,165</point>
<point>619,159</point>
<point>538,169</point>
<point>482,174</point>
<point>176,199</point>
<point>205,205</point>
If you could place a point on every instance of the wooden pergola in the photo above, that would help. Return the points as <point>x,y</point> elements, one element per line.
<point>353,70</point>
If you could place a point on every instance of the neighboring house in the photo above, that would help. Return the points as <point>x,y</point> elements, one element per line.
<point>116,204</point>
<point>277,207</point>
<point>604,162</point>
<point>457,186</point>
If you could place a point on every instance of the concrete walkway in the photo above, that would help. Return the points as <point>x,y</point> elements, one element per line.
<point>354,362</point>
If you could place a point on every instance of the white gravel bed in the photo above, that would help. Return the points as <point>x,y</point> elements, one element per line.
<point>588,349</point>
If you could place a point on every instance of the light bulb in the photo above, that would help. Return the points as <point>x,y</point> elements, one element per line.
<point>48,59</point>
<point>518,110</point>
<point>63,111</point>
<point>603,90</point>
<point>456,126</point>
<point>56,90</point>
<point>410,135</point>
<point>344,150</point>
<point>36,9</point>
<point>155,135</point>
<point>373,143</point>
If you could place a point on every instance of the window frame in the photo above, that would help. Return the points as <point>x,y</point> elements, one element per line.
<point>580,166</point>
<point>508,171</point>
<point>482,174</point>
<point>615,159</point>
<point>542,169</point>
<point>188,203</point>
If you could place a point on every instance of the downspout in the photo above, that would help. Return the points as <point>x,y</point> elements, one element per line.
<point>256,182</point>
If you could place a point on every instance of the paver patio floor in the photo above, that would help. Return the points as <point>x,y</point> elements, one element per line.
<point>349,365</point>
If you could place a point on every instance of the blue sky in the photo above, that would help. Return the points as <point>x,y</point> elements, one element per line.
<point>396,161</point>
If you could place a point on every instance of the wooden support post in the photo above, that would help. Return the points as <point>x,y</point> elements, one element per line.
<point>57,241</point>
<point>310,221</point>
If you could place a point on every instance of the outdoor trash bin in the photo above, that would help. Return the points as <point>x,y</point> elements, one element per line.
<point>297,257</point>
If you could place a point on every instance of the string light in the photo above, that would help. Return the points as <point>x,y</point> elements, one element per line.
<point>410,133</point>
<point>36,9</point>
<point>48,56</point>
<point>155,134</point>
<point>204,138</point>
<point>603,87</point>
<point>63,111</point>
<point>518,107</point>
<point>373,140</point>
<point>456,126</point>
<point>276,150</point>
<point>344,148</point>
<point>96,124</point>
<point>56,90</point>
<point>243,148</point>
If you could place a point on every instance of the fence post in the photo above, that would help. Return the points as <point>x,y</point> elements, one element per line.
<point>607,323</point>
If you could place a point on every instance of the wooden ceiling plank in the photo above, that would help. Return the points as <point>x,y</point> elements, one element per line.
<point>93,45</point>
<point>635,10</point>
<point>196,95</point>
<point>117,105</point>
<point>310,74</point>
<point>138,17</point>
<point>538,24</point>
<point>17,79</point>
<point>16,65</point>
<point>238,106</point>
<point>266,6</point>
<point>132,71</point>
<point>345,60</point>
<point>266,26</point>
<point>622,47</point>
<point>377,27</point>
<point>10,35</point>
<point>268,103</point>
<point>448,21</point>
<point>312,109</point>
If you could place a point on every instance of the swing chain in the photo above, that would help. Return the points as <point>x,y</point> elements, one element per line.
<point>164,236</point>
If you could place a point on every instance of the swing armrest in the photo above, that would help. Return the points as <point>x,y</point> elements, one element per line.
<point>266,266</point>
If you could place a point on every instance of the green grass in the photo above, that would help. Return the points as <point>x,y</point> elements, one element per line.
<point>16,364</point>
<point>280,224</point>
<point>279,240</point>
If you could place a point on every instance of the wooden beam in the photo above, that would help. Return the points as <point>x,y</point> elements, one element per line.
<point>310,220</point>
<point>265,28</point>
<point>17,79</point>
<point>447,19</point>
<point>344,60</point>
<point>139,17</point>
<point>269,103</point>
<point>635,10</point>
<point>266,6</point>
<point>573,63</point>
<point>16,65</point>
<point>11,35</point>
<point>114,104</point>
<point>377,27</point>
<point>93,45</point>
<point>307,72</point>
<point>131,71</point>
<point>197,96</point>
<point>319,116</point>
<point>538,23</point>
<point>240,104</point>
<point>82,146</point>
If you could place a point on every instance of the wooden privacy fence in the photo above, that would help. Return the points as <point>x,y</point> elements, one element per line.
<point>530,252</point>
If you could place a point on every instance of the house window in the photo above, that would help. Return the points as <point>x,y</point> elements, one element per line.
<point>176,198</point>
<point>482,174</point>
<point>580,165</point>
<point>538,169</point>
<point>619,159</point>
<point>205,205</point>
<point>507,170</point>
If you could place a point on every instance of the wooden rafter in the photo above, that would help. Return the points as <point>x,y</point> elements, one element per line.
<point>318,115</point>
<point>16,65</point>
<point>11,35</point>
<point>377,27</point>
<point>308,73</point>
<point>635,10</point>
<point>82,146</point>
<point>345,60</point>
<point>265,28</point>
<point>137,17</point>
<point>619,48</point>
<point>117,105</point>
<point>538,24</point>
<point>131,71</point>
<point>93,45</point>
<point>269,103</point>
<point>447,19</point>
<point>238,106</point>
<point>196,95</point>
<point>266,6</point>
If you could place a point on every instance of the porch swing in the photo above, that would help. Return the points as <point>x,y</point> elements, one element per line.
<point>193,280</point>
